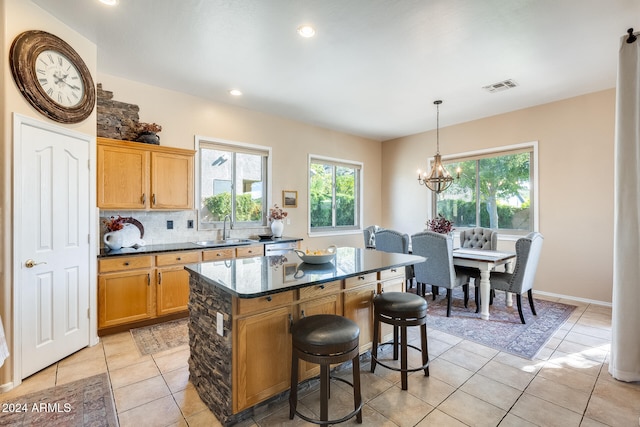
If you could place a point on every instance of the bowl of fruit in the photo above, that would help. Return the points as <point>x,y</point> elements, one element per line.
<point>319,256</point>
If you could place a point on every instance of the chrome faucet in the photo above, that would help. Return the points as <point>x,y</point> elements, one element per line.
<point>224,227</point>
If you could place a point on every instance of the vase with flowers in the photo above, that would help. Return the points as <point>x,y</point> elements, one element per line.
<point>276,215</point>
<point>440,224</point>
<point>113,239</point>
<point>148,133</point>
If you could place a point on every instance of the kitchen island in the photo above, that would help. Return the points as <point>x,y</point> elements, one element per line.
<point>241,311</point>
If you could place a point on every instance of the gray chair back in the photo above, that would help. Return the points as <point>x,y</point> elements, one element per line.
<point>392,241</point>
<point>438,269</point>
<point>527,256</point>
<point>370,236</point>
<point>479,238</point>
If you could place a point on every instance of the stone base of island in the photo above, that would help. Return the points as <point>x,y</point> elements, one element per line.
<point>241,311</point>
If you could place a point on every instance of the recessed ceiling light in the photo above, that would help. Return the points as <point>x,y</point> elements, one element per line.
<point>235,92</point>
<point>109,2</point>
<point>306,31</point>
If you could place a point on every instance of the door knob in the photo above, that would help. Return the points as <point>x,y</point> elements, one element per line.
<point>31,263</point>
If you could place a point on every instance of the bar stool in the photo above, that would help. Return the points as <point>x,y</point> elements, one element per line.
<point>325,339</point>
<point>401,310</point>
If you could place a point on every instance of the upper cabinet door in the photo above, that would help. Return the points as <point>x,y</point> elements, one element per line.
<point>122,178</point>
<point>132,175</point>
<point>171,181</point>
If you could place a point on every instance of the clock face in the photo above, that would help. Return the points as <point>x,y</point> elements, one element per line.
<point>59,78</point>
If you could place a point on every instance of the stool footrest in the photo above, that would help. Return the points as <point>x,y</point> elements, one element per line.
<point>336,421</point>
<point>393,368</point>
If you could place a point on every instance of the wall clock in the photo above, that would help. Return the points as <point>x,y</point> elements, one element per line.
<point>52,76</point>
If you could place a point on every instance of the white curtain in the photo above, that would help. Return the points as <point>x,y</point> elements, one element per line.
<point>624,362</point>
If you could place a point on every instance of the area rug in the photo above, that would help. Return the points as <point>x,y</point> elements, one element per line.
<point>163,336</point>
<point>503,331</point>
<point>83,403</point>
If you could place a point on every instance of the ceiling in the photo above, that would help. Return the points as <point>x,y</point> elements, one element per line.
<point>374,67</point>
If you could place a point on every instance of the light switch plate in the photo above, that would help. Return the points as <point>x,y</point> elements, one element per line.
<point>220,324</point>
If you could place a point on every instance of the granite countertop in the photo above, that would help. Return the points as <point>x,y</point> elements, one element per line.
<point>259,276</point>
<point>186,246</point>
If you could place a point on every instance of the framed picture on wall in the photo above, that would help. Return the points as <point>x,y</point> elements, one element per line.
<point>289,199</point>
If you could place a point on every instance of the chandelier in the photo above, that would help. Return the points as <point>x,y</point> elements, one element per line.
<point>438,179</point>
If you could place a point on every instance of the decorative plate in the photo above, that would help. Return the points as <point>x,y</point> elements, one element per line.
<point>135,222</point>
<point>320,257</point>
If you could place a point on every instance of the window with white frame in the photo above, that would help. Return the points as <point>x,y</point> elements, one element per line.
<point>335,195</point>
<point>493,189</point>
<point>232,181</point>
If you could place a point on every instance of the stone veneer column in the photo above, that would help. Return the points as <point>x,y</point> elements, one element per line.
<point>210,362</point>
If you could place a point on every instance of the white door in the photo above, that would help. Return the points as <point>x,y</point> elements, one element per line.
<point>53,231</point>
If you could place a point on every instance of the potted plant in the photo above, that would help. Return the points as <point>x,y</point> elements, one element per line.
<point>440,224</point>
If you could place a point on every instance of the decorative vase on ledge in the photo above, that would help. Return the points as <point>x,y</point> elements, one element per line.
<point>277,227</point>
<point>149,138</point>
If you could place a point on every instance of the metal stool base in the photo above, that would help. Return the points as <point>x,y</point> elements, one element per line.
<point>393,368</point>
<point>336,421</point>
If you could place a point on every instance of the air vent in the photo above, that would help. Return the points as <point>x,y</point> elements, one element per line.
<point>500,86</point>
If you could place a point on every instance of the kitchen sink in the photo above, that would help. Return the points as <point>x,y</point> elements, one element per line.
<point>227,242</point>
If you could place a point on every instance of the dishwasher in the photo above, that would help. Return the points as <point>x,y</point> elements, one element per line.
<point>281,248</point>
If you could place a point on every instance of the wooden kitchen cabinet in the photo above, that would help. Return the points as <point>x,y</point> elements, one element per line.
<point>317,299</point>
<point>172,289</point>
<point>262,356</point>
<point>124,297</point>
<point>132,175</point>
<point>358,306</point>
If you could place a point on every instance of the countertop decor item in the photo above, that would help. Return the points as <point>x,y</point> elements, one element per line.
<point>148,133</point>
<point>317,257</point>
<point>52,76</point>
<point>276,215</point>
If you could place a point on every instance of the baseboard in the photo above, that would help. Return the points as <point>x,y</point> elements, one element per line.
<point>572,298</point>
<point>6,387</point>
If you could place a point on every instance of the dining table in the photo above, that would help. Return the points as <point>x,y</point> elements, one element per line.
<point>485,261</point>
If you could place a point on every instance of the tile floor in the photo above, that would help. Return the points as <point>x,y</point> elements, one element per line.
<point>470,385</point>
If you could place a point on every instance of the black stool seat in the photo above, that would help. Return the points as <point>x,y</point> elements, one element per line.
<point>400,304</point>
<point>325,334</point>
<point>400,309</point>
<point>325,339</point>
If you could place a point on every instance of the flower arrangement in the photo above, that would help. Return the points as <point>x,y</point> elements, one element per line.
<point>440,224</point>
<point>140,127</point>
<point>114,224</point>
<point>276,212</point>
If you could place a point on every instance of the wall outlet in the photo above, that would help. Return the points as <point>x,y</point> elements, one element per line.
<point>189,223</point>
<point>288,221</point>
<point>220,324</point>
<point>169,225</point>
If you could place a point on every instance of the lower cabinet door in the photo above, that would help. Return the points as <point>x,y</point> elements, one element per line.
<point>262,357</point>
<point>358,306</point>
<point>172,291</point>
<point>330,304</point>
<point>124,298</point>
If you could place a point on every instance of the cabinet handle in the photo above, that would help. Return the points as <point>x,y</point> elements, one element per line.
<point>290,322</point>
<point>321,286</point>
<point>159,278</point>
<point>218,254</point>
<point>153,199</point>
<point>126,263</point>
<point>269,298</point>
<point>393,270</point>
<point>302,314</point>
<point>148,279</point>
<point>360,277</point>
<point>179,259</point>
<point>144,198</point>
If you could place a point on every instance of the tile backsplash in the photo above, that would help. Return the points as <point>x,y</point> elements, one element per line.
<point>156,232</point>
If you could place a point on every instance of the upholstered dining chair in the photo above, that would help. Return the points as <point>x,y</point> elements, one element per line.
<point>394,241</point>
<point>521,280</point>
<point>369,234</point>
<point>438,270</point>
<point>479,238</point>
